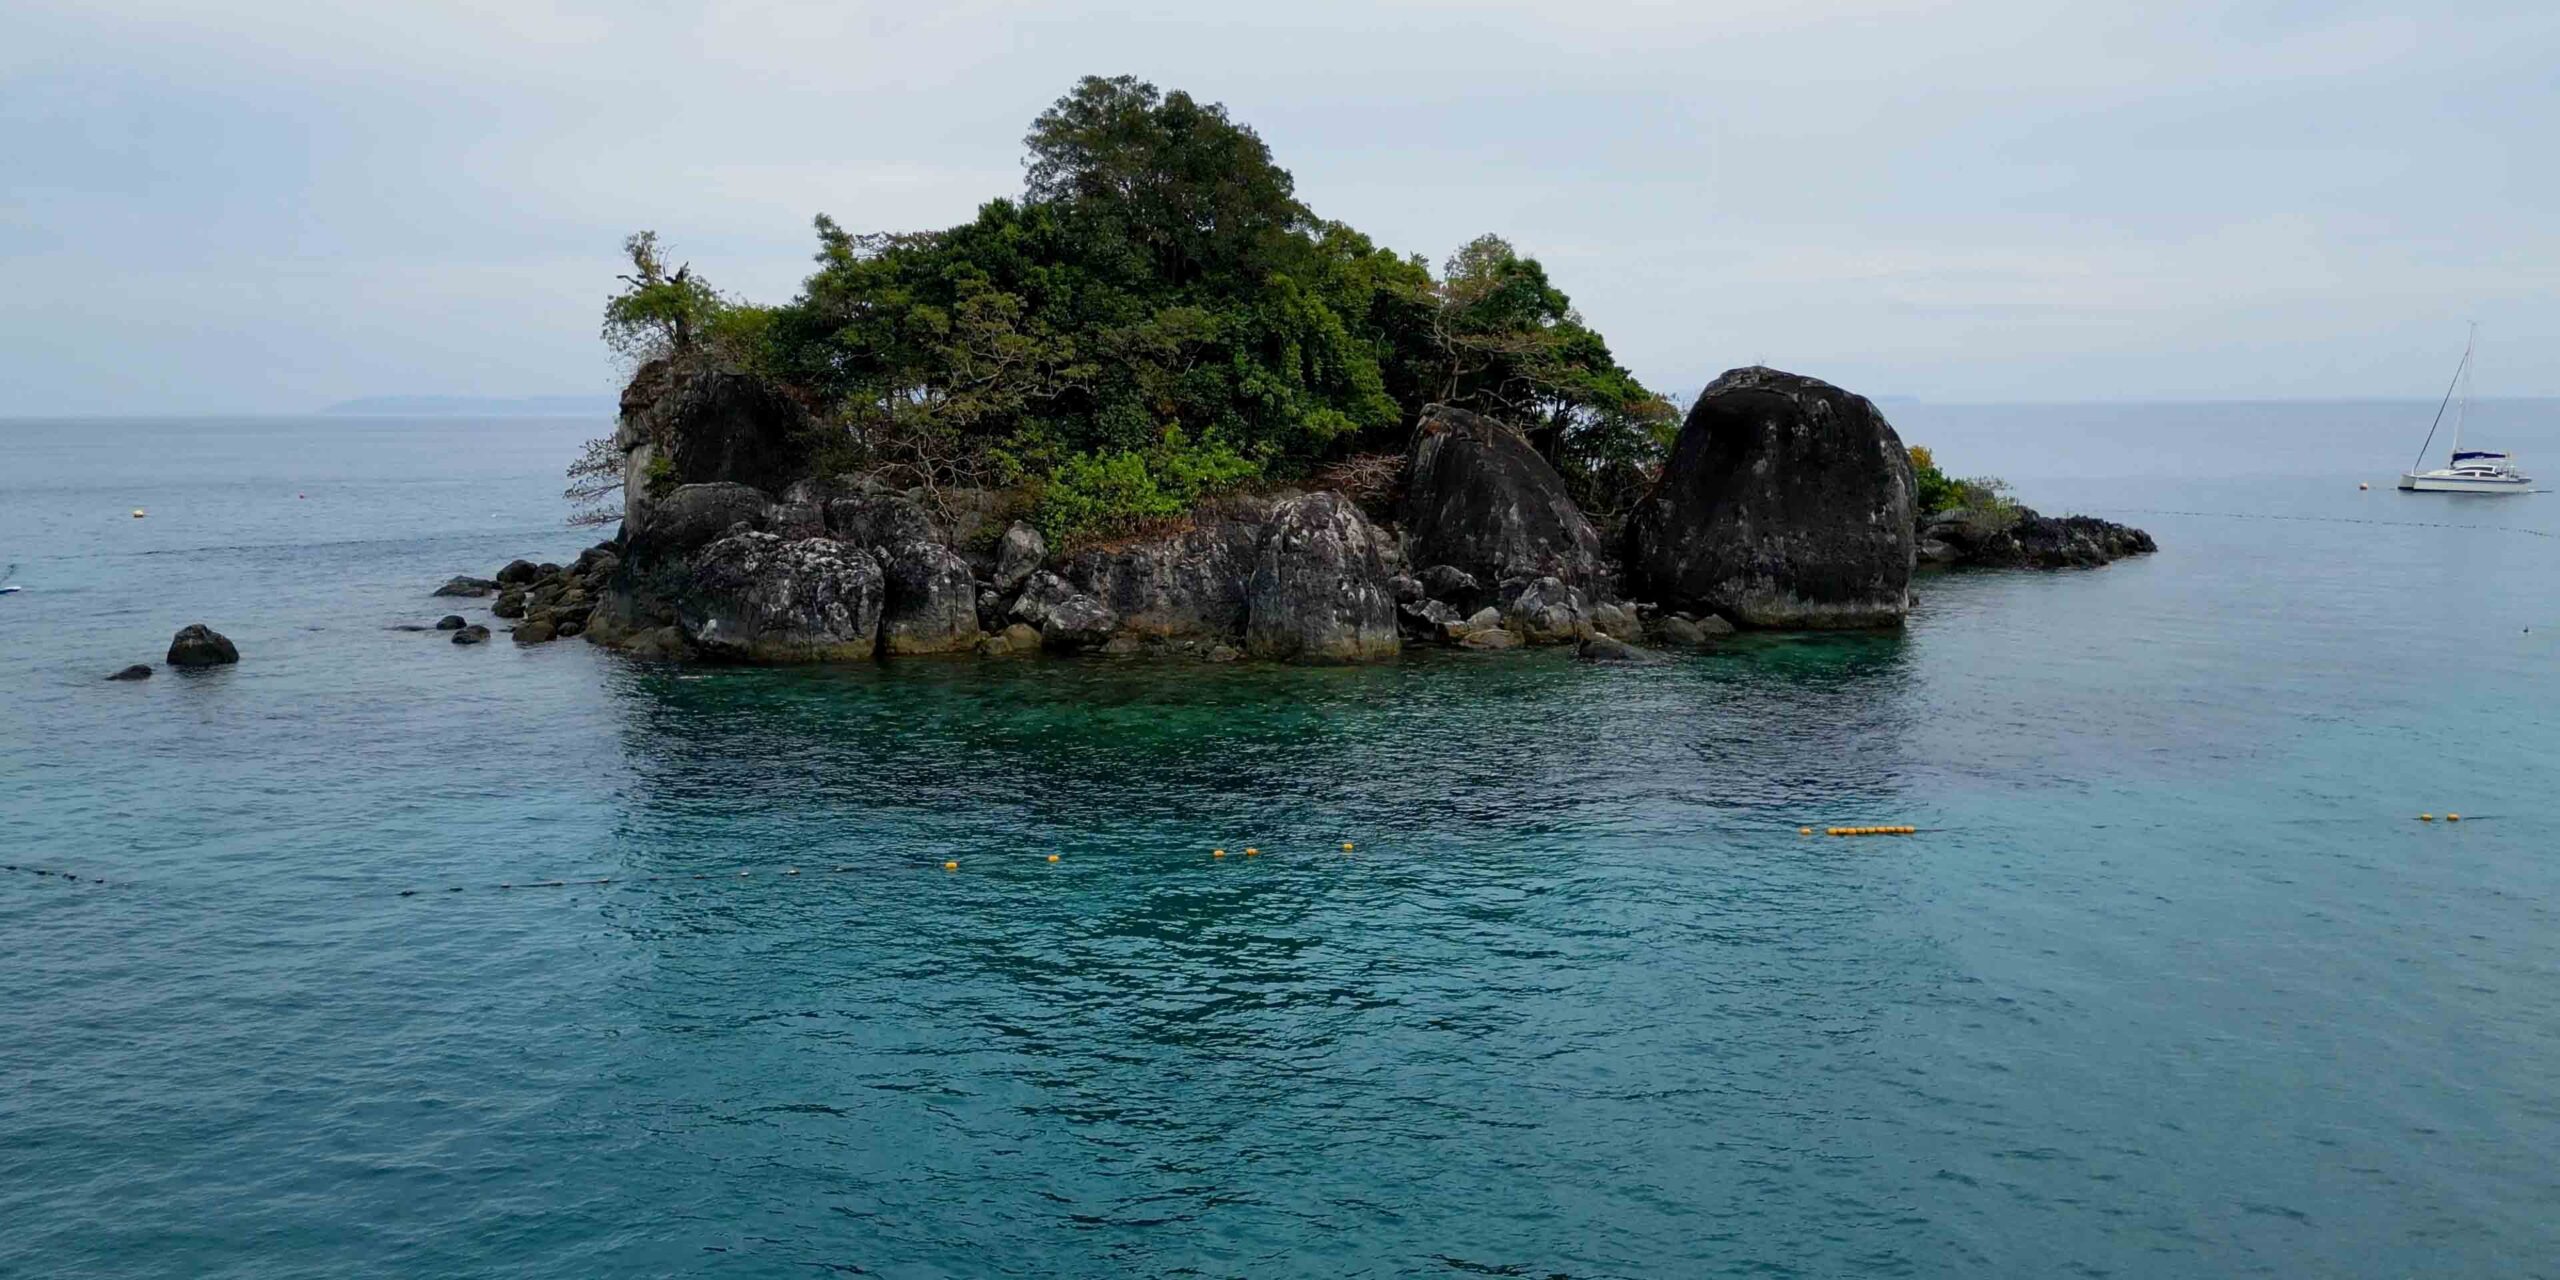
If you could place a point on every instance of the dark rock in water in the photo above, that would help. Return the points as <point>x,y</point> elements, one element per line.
<point>571,627</point>
<point>1122,645</point>
<point>694,515</point>
<point>1018,555</point>
<point>408,626</point>
<point>137,671</point>
<point>929,602</point>
<point>1610,649</point>
<point>510,604</point>
<point>1490,638</point>
<point>752,597</point>
<point>473,634</point>
<point>1319,586</point>
<point>541,630</point>
<point>874,520</point>
<point>1479,498</point>
<point>452,622</point>
<point>518,573</point>
<point>1067,618</point>
<point>197,645</point>
<point>1187,584</point>
<point>1680,628</point>
<point>1546,611</point>
<point>2020,538</point>
<point>596,561</point>
<point>462,586</point>
<point>660,644</point>
<point>1612,618</point>
<point>1453,584</point>
<point>1786,502</point>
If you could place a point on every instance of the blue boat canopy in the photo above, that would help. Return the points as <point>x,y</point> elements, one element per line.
<point>2465,455</point>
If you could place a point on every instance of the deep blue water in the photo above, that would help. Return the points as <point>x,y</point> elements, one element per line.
<point>2173,985</point>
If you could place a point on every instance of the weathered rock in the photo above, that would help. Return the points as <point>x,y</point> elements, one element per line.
<point>1484,619</point>
<point>1187,584</point>
<point>1222,653</point>
<point>1933,551</point>
<point>1547,611</point>
<point>1067,618</point>
<point>572,627</point>
<point>1453,584</point>
<point>510,604</point>
<point>597,561</point>
<point>1019,555</point>
<point>874,520</point>
<point>197,645</point>
<point>138,671</point>
<point>1614,618</point>
<point>692,516</point>
<point>660,644</point>
<point>1122,645</point>
<point>929,602</point>
<point>1479,498</point>
<point>452,622</point>
<point>1786,502</point>
<point>473,634</point>
<point>517,573</point>
<point>1491,638</point>
<point>463,586</point>
<point>753,597</point>
<point>2018,537</point>
<point>1022,638</point>
<point>1405,588</point>
<point>1601,648</point>
<point>540,630</point>
<point>1319,587</point>
<point>1427,619</point>
<point>700,425</point>
<point>1681,629</point>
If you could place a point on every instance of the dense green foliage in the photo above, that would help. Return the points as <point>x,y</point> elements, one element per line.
<point>1156,318</point>
<point>1936,491</point>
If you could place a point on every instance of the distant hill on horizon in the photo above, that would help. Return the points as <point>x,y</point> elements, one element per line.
<point>464,406</point>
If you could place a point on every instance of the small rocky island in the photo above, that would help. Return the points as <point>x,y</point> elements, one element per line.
<point>1786,503</point>
<point>1154,404</point>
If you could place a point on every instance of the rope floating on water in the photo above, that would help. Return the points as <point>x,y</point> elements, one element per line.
<point>2269,515</point>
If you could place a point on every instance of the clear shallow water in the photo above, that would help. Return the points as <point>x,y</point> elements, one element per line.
<point>2174,985</point>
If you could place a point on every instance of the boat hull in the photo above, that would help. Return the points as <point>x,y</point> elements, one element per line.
<point>2428,482</point>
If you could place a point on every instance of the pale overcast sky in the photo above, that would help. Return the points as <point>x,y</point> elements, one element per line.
<point>218,207</point>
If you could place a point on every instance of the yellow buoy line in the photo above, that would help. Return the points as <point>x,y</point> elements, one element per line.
<point>1870,831</point>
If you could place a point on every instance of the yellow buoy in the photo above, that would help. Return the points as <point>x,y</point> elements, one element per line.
<point>2453,817</point>
<point>1804,831</point>
<point>1250,851</point>
<point>951,866</point>
<point>1217,853</point>
<point>1346,846</point>
<point>2426,817</point>
<point>1053,857</point>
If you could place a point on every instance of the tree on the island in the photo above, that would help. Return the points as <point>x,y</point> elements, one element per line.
<point>658,312</point>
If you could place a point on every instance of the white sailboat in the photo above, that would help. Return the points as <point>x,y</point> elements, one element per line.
<point>2469,470</point>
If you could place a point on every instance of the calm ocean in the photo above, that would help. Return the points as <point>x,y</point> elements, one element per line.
<point>2174,984</point>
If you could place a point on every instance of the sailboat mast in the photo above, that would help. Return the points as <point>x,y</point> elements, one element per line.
<point>2463,414</point>
<point>2449,386</point>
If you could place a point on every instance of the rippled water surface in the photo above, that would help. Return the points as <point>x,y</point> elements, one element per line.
<point>2172,984</point>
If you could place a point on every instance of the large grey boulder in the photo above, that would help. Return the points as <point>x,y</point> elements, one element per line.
<point>929,603</point>
<point>880,519</point>
<point>1185,585</point>
<point>1066,618</point>
<point>1319,588</point>
<point>1786,502</point>
<point>1547,611</point>
<point>1018,556</point>
<point>688,517</point>
<point>753,597</point>
<point>1478,498</point>
<point>197,645</point>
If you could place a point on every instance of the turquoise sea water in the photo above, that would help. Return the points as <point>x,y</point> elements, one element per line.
<point>2173,984</point>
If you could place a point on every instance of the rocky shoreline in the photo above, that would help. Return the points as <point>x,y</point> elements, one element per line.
<point>1786,503</point>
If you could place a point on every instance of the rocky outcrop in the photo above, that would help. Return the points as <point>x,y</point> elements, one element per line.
<point>1319,587</point>
<point>469,587</point>
<point>929,603</point>
<point>1019,554</point>
<point>1191,583</point>
<point>876,520</point>
<point>692,516</point>
<point>1065,617</point>
<point>693,425</point>
<point>1786,502</point>
<point>753,597</point>
<point>473,634</point>
<point>138,671</point>
<point>1479,499</point>
<point>2020,538</point>
<point>197,645</point>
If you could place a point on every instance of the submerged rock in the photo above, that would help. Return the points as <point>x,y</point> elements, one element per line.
<point>138,671</point>
<point>197,645</point>
<point>1319,586</point>
<point>465,586</point>
<point>1611,649</point>
<point>473,634</point>
<point>1490,638</point>
<point>452,622</point>
<point>1786,502</point>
